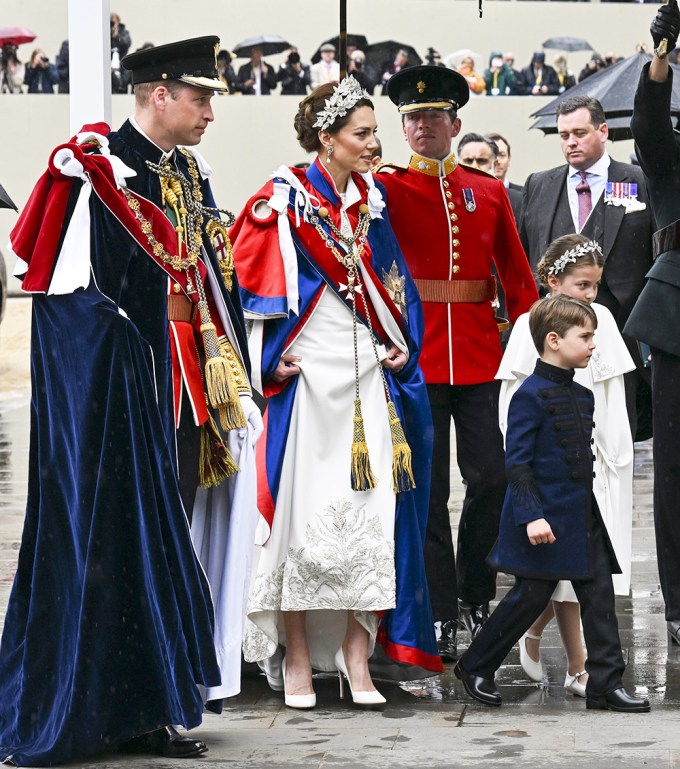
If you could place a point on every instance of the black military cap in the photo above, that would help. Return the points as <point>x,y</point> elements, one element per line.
<point>190,61</point>
<point>425,87</point>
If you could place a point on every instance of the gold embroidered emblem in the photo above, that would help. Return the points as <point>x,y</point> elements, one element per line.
<point>217,49</point>
<point>420,85</point>
<point>219,236</point>
<point>396,287</point>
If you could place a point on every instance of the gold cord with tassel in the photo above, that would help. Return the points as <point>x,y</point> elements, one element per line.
<point>402,471</point>
<point>362,475</point>
<point>216,463</point>
<point>221,388</point>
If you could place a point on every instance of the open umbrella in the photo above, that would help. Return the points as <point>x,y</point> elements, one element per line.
<point>453,60</point>
<point>268,44</point>
<point>6,201</point>
<point>568,44</point>
<point>614,87</point>
<point>378,53</point>
<point>358,41</point>
<point>15,35</point>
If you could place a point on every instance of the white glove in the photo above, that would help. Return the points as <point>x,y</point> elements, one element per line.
<point>253,417</point>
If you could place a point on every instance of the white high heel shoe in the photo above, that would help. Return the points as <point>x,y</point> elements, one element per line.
<point>365,699</point>
<point>299,701</point>
<point>573,684</point>
<point>531,667</point>
<point>272,669</point>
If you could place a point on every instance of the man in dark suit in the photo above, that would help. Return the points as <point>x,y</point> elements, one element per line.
<point>256,77</point>
<point>500,171</point>
<point>605,200</point>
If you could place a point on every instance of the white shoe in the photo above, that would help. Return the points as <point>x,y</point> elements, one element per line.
<point>271,667</point>
<point>299,701</point>
<point>365,699</point>
<point>573,685</point>
<point>531,667</point>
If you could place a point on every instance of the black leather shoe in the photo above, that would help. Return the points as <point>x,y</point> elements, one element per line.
<point>446,643</point>
<point>673,627</point>
<point>481,689</point>
<point>167,742</point>
<point>618,700</point>
<point>473,616</point>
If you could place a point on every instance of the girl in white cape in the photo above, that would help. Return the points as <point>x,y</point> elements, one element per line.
<point>572,265</point>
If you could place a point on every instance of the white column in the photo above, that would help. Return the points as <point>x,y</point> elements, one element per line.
<point>89,34</point>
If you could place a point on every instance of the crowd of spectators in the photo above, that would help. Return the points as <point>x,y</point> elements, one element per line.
<point>296,77</point>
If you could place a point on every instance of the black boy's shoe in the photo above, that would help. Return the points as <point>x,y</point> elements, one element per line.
<point>618,700</point>
<point>167,742</point>
<point>447,643</point>
<point>473,616</point>
<point>481,689</point>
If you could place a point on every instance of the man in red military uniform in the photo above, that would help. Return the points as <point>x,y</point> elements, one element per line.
<point>453,223</point>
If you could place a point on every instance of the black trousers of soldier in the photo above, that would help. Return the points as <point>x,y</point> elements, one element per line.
<point>517,611</point>
<point>481,460</point>
<point>666,444</point>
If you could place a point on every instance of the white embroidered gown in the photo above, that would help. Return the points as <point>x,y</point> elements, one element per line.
<point>331,549</point>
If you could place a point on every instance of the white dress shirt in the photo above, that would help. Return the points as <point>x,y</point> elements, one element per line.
<point>596,176</point>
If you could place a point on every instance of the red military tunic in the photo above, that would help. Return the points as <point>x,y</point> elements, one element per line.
<point>445,242</point>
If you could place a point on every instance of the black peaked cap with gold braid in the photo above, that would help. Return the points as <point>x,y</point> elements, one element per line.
<point>193,62</point>
<point>424,87</point>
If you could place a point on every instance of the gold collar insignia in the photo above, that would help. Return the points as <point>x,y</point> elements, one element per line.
<point>433,167</point>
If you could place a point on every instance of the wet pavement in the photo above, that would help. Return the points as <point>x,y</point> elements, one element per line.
<point>426,724</point>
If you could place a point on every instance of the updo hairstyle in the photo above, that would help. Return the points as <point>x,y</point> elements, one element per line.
<point>558,248</point>
<point>306,116</point>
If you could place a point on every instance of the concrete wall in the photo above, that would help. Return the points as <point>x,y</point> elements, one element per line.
<point>251,137</point>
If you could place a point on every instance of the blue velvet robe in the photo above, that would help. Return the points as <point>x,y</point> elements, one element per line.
<point>109,623</point>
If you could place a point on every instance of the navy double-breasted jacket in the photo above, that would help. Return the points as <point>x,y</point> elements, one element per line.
<point>549,465</point>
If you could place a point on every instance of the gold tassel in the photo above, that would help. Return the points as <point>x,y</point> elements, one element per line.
<point>402,472</point>
<point>219,378</point>
<point>362,476</point>
<point>216,463</point>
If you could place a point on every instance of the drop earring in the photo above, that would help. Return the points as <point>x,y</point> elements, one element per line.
<point>329,152</point>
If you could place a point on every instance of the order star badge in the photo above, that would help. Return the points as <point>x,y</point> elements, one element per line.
<point>396,287</point>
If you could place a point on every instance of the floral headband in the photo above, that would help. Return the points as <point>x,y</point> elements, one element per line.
<point>345,95</point>
<point>572,255</point>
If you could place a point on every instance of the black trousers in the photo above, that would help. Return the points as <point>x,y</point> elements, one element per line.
<point>515,614</point>
<point>666,441</point>
<point>188,456</point>
<point>481,459</point>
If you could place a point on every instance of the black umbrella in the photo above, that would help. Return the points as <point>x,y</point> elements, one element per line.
<point>568,44</point>
<point>6,201</point>
<point>615,88</point>
<point>378,53</point>
<point>268,44</point>
<point>358,41</point>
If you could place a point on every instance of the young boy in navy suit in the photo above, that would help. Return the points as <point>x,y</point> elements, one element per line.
<point>551,528</point>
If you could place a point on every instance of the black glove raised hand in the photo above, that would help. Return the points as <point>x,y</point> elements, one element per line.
<point>666,25</point>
